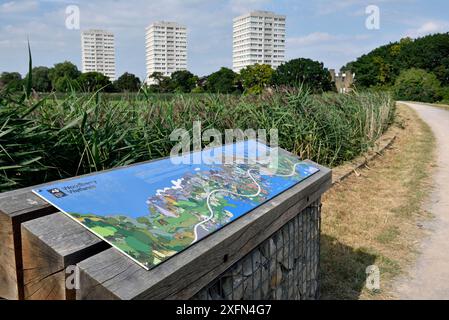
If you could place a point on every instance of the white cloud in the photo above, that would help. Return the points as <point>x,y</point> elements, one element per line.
<point>18,6</point>
<point>323,38</point>
<point>209,30</point>
<point>428,27</point>
<point>351,7</point>
<point>327,7</point>
<point>333,49</point>
<point>244,6</point>
<point>315,37</point>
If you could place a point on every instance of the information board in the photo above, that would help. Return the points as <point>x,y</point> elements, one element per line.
<point>154,210</point>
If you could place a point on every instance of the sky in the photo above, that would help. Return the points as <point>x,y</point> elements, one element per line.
<point>331,31</point>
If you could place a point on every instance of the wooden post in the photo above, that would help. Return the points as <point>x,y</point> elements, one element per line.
<point>16,207</point>
<point>111,275</point>
<point>49,245</point>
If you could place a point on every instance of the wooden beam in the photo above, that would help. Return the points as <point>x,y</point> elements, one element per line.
<point>49,245</point>
<point>19,206</point>
<point>16,207</point>
<point>111,275</point>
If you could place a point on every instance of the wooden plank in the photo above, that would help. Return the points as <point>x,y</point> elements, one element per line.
<point>18,206</point>
<point>15,208</point>
<point>49,245</point>
<point>110,275</point>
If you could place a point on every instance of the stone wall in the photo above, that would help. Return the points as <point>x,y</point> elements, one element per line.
<point>284,267</point>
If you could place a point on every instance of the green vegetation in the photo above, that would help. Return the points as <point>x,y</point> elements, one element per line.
<point>12,80</point>
<point>92,81</point>
<point>40,79</point>
<point>52,138</point>
<point>223,81</point>
<point>128,82</point>
<point>253,79</point>
<point>306,72</point>
<point>65,78</point>
<point>387,234</point>
<point>383,67</point>
<point>256,78</point>
<point>417,85</point>
<point>183,81</point>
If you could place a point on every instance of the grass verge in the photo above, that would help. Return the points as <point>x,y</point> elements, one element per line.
<point>372,218</point>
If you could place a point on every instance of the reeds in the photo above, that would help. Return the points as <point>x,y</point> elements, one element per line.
<point>56,137</point>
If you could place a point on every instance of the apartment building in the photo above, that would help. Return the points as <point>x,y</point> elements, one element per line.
<point>98,52</point>
<point>258,37</point>
<point>166,48</point>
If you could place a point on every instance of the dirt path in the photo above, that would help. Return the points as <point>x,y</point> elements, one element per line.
<point>372,217</point>
<point>429,277</point>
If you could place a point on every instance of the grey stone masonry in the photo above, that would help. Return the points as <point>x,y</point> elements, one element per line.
<point>283,267</point>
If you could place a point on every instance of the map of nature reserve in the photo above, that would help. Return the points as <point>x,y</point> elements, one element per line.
<point>154,210</point>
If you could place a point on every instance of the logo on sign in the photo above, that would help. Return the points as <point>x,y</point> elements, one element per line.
<point>57,193</point>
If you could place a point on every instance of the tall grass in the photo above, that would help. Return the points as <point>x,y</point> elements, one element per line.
<point>52,138</point>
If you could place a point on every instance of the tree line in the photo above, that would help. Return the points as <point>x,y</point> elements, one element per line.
<point>414,69</point>
<point>65,77</point>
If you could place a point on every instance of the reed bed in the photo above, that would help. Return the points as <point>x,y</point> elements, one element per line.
<point>44,139</point>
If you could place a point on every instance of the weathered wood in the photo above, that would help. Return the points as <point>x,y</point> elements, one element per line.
<point>110,275</point>
<point>49,245</point>
<point>16,207</point>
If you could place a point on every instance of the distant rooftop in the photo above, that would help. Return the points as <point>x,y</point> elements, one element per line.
<point>165,24</point>
<point>96,31</point>
<point>259,13</point>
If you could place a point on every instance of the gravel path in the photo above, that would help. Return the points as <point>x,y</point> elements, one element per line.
<point>429,277</point>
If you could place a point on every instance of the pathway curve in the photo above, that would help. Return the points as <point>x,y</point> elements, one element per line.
<point>211,211</point>
<point>429,277</point>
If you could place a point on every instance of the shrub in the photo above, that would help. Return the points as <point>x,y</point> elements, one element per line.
<point>445,94</point>
<point>417,85</point>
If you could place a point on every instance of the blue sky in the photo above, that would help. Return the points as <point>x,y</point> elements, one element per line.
<point>331,31</point>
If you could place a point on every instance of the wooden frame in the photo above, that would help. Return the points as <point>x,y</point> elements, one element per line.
<point>16,207</point>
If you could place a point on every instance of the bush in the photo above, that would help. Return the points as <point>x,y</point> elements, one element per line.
<point>445,94</point>
<point>11,80</point>
<point>417,85</point>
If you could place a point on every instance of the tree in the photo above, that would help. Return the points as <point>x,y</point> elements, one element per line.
<point>382,66</point>
<point>256,77</point>
<point>66,70</point>
<point>222,81</point>
<point>128,82</point>
<point>442,71</point>
<point>93,81</point>
<point>65,84</point>
<point>41,79</point>
<point>309,73</point>
<point>183,81</point>
<point>162,84</point>
<point>417,85</point>
<point>11,80</point>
